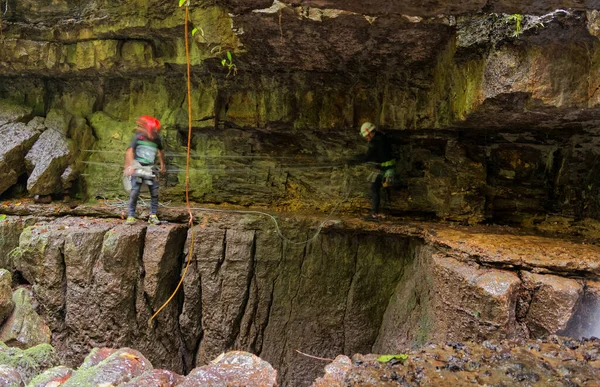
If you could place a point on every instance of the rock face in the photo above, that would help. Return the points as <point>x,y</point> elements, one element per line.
<point>488,122</point>
<point>356,288</point>
<point>6,302</point>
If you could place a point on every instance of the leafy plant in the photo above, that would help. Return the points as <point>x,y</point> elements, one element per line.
<point>386,358</point>
<point>518,19</point>
<point>231,67</point>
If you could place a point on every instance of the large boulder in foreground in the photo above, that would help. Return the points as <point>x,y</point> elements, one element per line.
<point>235,368</point>
<point>24,328</point>
<point>28,363</point>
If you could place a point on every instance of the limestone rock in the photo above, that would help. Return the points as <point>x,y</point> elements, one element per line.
<point>335,373</point>
<point>235,368</point>
<point>12,112</point>
<point>474,303</point>
<point>6,301</point>
<point>24,328</point>
<point>29,362</point>
<point>53,376</point>
<point>10,231</point>
<point>161,378</point>
<point>554,300</point>
<point>10,377</point>
<point>16,140</point>
<point>46,162</point>
<point>40,261</point>
<point>120,367</point>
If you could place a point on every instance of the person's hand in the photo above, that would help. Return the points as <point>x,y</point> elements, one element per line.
<point>129,171</point>
<point>163,169</point>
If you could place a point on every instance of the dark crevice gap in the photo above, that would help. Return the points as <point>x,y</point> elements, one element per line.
<point>223,254</point>
<point>284,371</point>
<point>348,293</point>
<point>138,285</point>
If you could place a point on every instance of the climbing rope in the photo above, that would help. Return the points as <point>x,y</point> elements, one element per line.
<point>187,166</point>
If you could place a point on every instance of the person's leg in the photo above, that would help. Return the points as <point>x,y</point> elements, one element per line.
<point>153,197</point>
<point>376,195</point>
<point>133,196</point>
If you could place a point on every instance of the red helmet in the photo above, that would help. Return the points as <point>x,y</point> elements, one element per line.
<point>148,124</point>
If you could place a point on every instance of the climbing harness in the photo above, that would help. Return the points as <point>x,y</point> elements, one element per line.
<point>143,175</point>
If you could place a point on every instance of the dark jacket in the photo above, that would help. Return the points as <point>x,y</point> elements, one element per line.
<point>380,151</point>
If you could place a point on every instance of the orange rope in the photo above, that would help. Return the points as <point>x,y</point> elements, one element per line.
<point>187,167</point>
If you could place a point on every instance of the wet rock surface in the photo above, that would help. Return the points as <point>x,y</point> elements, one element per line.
<point>26,364</point>
<point>557,361</point>
<point>24,328</point>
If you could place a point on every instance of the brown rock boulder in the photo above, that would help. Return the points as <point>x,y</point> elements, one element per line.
<point>335,373</point>
<point>52,377</point>
<point>120,367</point>
<point>235,368</point>
<point>162,378</point>
<point>10,377</point>
<point>554,301</point>
<point>6,302</point>
<point>16,139</point>
<point>24,328</point>
<point>473,302</point>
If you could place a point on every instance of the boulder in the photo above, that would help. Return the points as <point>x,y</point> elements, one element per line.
<point>52,377</point>
<point>473,302</point>
<point>12,112</point>
<point>16,139</point>
<point>30,362</point>
<point>47,161</point>
<point>120,367</point>
<point>10,377</point>
<point>554,301</point>
<point>24,328</point>
<point>163,378</point>
<point>6,302</point>
<point>11,228</point>
<point>235,368</point>
<point>335,373</point>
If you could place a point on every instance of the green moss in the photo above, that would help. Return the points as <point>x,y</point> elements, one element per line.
<point>29,362</point>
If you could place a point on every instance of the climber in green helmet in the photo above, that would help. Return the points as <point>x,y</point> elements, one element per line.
<point>139,161</point>
<point>380,152</point>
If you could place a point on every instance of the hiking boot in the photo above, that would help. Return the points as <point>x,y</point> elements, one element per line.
<point>153,219</point>
<point>372,218</point>
<point>130,220</point>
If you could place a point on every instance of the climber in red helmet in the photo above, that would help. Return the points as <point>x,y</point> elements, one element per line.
<point>139,161</point>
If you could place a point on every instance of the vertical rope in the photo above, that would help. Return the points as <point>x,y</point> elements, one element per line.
<point>187,166</point>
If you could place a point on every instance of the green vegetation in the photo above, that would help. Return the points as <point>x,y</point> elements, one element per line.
<point>229,64</point>
<point>386,358</point>
<point>518,20</point>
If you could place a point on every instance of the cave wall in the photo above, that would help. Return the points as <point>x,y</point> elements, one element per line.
<point>488,123</point>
